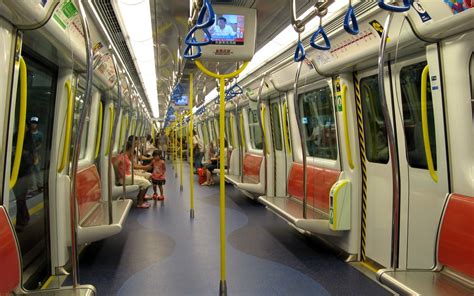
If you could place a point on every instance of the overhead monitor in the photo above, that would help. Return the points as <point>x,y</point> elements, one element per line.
<point>232,35</point>
<point>182,101</point>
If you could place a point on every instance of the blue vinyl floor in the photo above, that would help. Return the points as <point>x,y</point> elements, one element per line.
<point>161,251</point>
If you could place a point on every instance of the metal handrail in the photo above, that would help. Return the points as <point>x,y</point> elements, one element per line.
<point>77,145</point>
<point>319,9</point>
<point>302,137</point>
<point>391,144</point>
<point>112,139</point>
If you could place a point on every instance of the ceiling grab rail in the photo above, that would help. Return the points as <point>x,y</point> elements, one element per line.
<point>391,143</point>
<point>110,167</point>
<point>77,145</point>
<point>424,123</point>
<point>351,17</point>
<point>20,137</point>
<point>319,8</point>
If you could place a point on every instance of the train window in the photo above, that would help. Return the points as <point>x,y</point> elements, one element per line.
<point>255,131</point>
<point>319,123</point>
<point>276,127</point>
<point>410,82</point>
<point>376,143</point>
<point>29,198</point>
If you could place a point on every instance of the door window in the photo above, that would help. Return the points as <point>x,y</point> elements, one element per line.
<point>28,205</point>
<point>375,132</point>
<point>319,123</point>
<point>275,114</point>
<point>255,130</point>
<point>410,83</point>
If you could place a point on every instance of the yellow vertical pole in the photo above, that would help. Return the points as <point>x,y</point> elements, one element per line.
<point>223,283</point>
<point>222,177</point>
<point>191,145</point>
<point>181,152</point>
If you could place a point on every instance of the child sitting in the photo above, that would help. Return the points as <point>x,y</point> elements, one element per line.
<point>158,175</point>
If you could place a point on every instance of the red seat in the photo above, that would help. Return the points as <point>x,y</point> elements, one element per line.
<point>251,169</point>
<point>320,182</point>
<point>9,256</point>
<point>87,190</point>
<point>456,240</point>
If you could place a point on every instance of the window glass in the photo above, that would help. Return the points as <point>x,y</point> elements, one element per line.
<point>29,198</point>
<point>410,82</point>
<point>255,131</point>
<point>276,127</point>
<point>375,132</point>
<point>319,123</point>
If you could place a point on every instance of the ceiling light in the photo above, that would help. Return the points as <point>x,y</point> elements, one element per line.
<point>135,22</point>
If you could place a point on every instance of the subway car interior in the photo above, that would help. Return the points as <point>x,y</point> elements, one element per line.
<point>236,147</point>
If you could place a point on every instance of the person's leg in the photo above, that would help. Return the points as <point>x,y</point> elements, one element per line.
<point>144,184</point>
<point>20,190</point>
<point>154,189</point>
<point>161,190</point>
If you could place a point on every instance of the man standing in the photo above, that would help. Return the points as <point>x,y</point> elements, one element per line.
<point>36,174</point>
<point>197,151</point>
<point>163,143</point>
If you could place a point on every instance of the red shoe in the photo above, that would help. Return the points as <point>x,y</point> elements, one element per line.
<point>161,197</point>
<point>155,196</point>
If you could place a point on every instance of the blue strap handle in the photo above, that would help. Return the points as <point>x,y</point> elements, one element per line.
<point>320,31</point>
<point>237,90</point>
<point>191,40</point>
<point>300,53</point>
<point>206,7</point>
<point>348,18</point>
<point>188,55</point>
<point>393,8</point>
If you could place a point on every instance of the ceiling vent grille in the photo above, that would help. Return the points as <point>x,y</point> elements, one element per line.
<point>106,13</point>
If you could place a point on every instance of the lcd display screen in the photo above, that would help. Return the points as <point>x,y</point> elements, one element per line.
<point>182,101</point>
<point>229,29</point>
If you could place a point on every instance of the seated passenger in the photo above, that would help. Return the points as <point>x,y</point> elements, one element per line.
<point>124,167</point>
<point>214,156</point>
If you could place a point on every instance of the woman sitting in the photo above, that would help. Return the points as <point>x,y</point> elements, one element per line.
<point>213,156</point>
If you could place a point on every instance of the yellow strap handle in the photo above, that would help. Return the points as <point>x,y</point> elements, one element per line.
<point>285,128</point>
<point>424,124</point>
<point>111,126</point>
<point>242,131</point>
<point>346,126</point>
<point>262,115</point>
<point>69,119</point>
<point>99,133</point>
<point>20,138</point>
<point>232,130</point>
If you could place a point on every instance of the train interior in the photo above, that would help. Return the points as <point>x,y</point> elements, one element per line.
<point>241,147</point>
